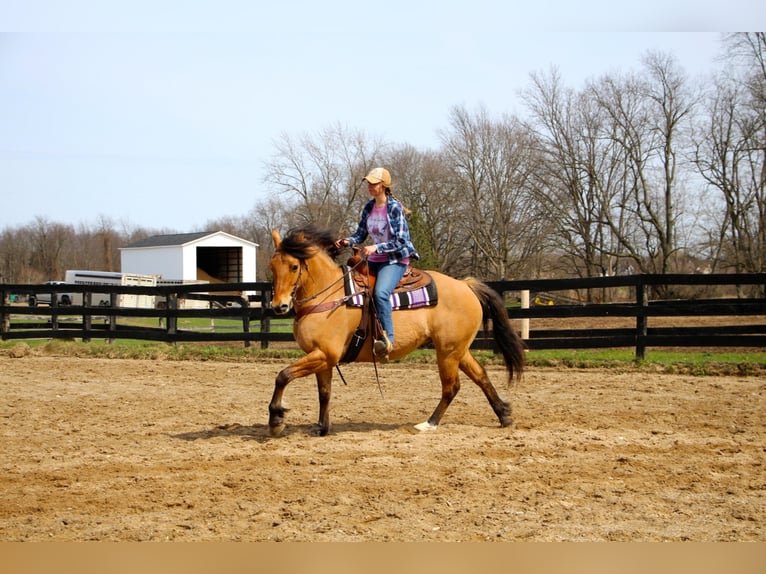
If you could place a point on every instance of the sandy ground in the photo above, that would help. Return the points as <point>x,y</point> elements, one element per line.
<point>124,450</point>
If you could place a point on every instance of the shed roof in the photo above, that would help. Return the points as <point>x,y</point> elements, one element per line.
<point>180,239</point>
<point>168,240</point>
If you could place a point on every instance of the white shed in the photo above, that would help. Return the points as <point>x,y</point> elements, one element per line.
<point>187,257</point>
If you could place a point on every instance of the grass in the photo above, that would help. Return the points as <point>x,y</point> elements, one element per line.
<point>670,361</point>
<point>667,361</point>
<point>191,323</point>
<point>188,323</point>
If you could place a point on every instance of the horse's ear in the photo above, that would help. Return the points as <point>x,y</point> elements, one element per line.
<point>276,238</point>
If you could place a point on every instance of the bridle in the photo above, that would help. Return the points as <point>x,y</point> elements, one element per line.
<point>324,305</point>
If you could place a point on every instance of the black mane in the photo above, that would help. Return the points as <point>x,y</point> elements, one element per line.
<point>301,242</point>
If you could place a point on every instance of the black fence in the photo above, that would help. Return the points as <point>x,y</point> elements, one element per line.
<point>737,296</point>
<point>245,309</point>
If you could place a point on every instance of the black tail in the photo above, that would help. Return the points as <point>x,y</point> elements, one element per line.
<point>507,339</point>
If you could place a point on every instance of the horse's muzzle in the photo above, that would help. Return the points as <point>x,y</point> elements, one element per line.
<point>281,309</point>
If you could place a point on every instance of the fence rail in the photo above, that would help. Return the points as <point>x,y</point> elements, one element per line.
<point>246,307</point>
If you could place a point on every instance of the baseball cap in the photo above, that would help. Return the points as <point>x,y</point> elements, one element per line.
<point>379,174</point>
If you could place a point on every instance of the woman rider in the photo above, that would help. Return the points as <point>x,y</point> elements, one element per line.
<point>384,220</point>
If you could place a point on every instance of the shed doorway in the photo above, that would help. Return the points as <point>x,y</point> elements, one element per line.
<point>219,264</point>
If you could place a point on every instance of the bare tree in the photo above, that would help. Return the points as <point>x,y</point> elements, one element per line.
<point>108,239</point>
<point>648,115</point>
<point>492,164</point>
<point>16,256</point>
<point>422,181</point>
<point>48,239</point>
<point>730,153</point>
<point>581,178</point>
<point>320,176</point>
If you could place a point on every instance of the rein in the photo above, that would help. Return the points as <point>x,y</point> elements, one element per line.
<point>325,305</point>
<point>328,306</point>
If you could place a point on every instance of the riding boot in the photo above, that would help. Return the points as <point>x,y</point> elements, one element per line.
<point>382,347</point>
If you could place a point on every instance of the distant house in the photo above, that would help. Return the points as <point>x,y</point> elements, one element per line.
<point>217,257</point>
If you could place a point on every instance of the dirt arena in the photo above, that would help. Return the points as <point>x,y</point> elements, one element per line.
<point>128,450</point>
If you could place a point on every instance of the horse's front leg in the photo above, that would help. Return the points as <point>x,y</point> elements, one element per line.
<point>314,362</point>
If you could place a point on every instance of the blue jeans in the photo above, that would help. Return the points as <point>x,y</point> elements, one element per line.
<point>388,275</point>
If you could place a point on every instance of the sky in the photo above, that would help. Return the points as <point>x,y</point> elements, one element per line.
<point>162,114</point>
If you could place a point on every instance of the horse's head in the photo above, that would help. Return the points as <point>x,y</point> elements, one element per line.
<point>285,270</point>
<point>291,257</point>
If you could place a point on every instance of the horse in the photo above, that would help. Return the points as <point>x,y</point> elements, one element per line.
<point>307,278</point>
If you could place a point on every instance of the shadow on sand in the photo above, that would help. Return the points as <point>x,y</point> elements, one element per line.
<point>260,432</point>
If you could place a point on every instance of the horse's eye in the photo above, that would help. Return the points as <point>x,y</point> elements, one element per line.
<point>294,268</point>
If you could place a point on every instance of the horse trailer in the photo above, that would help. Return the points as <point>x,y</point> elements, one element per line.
<point>84,277</point>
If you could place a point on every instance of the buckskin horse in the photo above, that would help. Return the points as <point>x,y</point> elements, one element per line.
<point>307,278</point>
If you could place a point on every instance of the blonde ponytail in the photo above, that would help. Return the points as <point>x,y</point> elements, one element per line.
<point>406,210</point>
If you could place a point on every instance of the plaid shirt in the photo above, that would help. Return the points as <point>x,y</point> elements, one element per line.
<point>400,247</point>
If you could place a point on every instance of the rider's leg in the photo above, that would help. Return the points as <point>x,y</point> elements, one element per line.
<point>387,277</point>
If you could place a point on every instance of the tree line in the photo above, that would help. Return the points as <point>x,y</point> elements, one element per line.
<point>644,171</point>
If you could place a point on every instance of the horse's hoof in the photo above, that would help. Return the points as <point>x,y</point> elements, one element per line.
<point>277,430</point>
<point>425,426</point>
<point>319,430</point>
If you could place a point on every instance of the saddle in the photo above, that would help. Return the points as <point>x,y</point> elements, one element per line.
<point>415,289</point>
<point>411,280</point>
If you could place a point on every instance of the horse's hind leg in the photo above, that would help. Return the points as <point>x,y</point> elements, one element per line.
<point>450,379</point>
<point>324,386</point>
<point>471,367</point>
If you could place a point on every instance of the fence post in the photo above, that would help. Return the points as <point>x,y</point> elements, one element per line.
<point>265,317</point>
<point>525,320</point>
<point>54,314</point>
<point>171,310</point>
<point>246,318</point>
<point>113,300</point>
<point>87,318</point>
<point>641,320</point>
<point>5,324</point>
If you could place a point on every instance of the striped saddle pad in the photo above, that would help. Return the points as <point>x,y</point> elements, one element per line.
<point>416,289</point>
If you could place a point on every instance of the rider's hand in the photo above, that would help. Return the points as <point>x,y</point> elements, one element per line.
<point>369,249</point>
<point>341,243</point>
